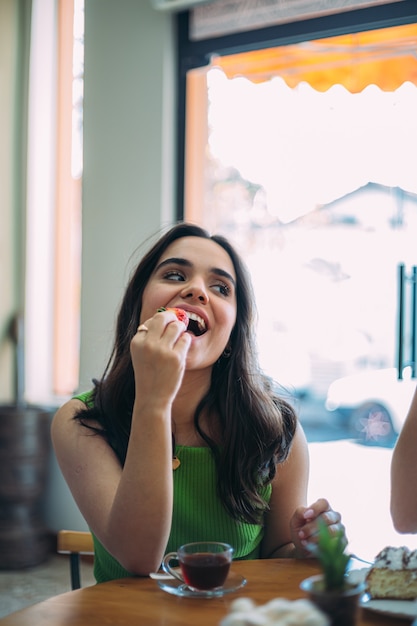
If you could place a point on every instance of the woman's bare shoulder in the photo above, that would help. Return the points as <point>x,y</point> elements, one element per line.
<point>68,411</point>
<point>64,424</point>
<point>74,441</point>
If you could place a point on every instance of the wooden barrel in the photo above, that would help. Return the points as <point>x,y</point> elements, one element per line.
<point>24,460</point>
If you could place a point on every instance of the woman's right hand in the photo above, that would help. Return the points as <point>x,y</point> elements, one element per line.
<point>159,356</point>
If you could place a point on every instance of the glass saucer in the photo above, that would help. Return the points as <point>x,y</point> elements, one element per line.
<point>177,588</point>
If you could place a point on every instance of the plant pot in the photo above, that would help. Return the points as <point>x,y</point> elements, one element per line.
<point>341,606</point>
<point>24,454</point>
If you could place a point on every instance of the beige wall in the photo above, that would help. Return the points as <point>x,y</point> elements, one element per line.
<point>14,19</point>
<point>8,25</point>
<point>129,127</point>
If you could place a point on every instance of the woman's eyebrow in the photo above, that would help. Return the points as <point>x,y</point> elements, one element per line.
<point>174,261</point>
<point>220,272</point>
<point>186,263</point>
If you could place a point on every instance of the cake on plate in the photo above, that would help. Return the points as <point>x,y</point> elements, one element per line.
<point>393,574</point>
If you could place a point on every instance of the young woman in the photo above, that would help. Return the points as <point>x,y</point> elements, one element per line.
<point>183,438</point>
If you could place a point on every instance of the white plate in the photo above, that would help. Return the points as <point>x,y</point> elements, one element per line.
<point>177,588</point>
<point>394,608</point>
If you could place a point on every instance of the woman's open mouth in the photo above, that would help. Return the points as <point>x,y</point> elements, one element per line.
<point>196,324</point>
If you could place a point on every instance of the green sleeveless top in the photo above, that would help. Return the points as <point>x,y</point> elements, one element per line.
<point>198,514</point>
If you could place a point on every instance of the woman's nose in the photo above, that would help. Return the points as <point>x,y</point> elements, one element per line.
<point>196,291</point>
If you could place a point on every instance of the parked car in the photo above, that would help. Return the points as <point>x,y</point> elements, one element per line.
<point>374,404</point>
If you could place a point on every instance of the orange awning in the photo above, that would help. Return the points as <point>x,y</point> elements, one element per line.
<point>386,58</point>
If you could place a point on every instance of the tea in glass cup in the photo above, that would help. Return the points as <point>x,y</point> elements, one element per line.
<point>204,565</point>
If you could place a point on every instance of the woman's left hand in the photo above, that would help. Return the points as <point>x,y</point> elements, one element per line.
<point>304,525</point>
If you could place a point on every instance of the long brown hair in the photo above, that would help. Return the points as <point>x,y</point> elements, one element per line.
<point>256,424</point>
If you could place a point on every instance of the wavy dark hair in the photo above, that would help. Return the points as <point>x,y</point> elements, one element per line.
<point>256,424</point>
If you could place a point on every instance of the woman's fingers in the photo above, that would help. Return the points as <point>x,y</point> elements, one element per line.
<point>163,327</point>
<point>159,351</point>
<point>306,524</point>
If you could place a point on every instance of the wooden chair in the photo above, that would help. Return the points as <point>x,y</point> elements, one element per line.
<point>75,543</point>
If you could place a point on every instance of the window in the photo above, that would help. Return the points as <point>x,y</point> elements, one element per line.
<point>54,201</point>
<point>299,177</point>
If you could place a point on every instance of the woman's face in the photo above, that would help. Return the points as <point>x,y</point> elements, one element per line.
<point>197,275</point>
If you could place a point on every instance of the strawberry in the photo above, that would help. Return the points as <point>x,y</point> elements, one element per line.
<point>180,313</point>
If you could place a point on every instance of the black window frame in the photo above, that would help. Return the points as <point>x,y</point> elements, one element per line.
<point>192,54</point>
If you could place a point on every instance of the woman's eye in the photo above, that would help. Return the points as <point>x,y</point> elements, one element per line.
<point>222,288</point>
<point>173,275</point>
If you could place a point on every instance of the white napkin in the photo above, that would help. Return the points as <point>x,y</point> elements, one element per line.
<point>277,612</point>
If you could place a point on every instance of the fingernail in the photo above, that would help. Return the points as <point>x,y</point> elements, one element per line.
<point>301,534</point>
<point>308,513</point>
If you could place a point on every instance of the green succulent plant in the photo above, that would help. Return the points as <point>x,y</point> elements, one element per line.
<point>332,556</point>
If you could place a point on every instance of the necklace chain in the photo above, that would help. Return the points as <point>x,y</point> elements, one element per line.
<point>176,462</point>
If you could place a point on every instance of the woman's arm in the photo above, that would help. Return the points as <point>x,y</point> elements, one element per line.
<point>129,509</point>
<point>289,491</point>
<point>289,524</point>
<point>404,475</point>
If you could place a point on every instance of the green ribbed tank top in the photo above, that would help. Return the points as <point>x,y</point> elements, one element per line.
<point>198,514</point>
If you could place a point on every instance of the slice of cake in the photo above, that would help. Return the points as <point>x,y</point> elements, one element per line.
<point>393,574</point>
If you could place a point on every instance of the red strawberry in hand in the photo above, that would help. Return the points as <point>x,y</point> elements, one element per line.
<point>180,313</point>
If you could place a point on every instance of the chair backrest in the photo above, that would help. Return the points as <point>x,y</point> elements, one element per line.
<point>75,543</point>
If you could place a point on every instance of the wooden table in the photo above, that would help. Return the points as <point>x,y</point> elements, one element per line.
<point>136,601</point>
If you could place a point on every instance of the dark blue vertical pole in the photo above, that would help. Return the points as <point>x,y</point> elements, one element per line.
<point>400,336</point>
<point>413,320</point>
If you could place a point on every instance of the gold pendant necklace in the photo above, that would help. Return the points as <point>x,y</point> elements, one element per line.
<point>175,460</point>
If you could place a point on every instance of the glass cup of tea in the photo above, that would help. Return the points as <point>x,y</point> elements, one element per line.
<point>204,565</point>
